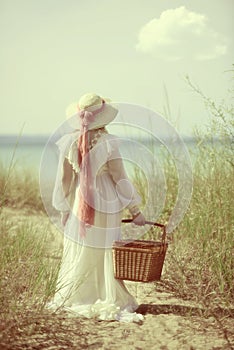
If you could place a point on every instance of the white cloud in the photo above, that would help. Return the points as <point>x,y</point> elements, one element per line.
<point>180,33</point>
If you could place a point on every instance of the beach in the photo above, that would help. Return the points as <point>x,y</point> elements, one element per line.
<point>191,307</point>
<point>170,322</point>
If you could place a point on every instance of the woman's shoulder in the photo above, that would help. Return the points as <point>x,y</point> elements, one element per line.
<point>110,138</point>
<point>109,144</point>
<point>66,140</point>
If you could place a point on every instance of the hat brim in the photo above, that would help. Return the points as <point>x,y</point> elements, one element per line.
<point>102,119</point>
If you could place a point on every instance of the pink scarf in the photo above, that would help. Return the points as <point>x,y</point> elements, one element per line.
<point>86,209</point>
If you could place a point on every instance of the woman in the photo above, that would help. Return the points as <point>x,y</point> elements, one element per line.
<point>91,191</point>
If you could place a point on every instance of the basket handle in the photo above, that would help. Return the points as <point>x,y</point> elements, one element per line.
<point>163,227</point>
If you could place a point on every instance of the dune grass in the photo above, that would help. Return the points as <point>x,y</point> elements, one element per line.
<point>19,189</point>
<point>28,276</point>
<point>201,262</point>
<point>199,265</point>
<point>30,257</point>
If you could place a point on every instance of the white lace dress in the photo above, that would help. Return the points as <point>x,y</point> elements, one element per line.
<point>86,285</point>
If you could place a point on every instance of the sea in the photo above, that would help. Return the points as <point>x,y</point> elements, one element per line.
<point>28,152</point>
<point>23,152</point>
<point>39,155</point>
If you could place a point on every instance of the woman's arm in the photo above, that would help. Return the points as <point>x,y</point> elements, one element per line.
<point>67,177</point>
<point>65,181</point>
<point>126,189</point>
<point>68,184</point>
<point>64,190</point>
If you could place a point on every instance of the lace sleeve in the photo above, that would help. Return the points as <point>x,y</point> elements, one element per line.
<point>125,189</point>
<point>66,179</point>
<point>73,157</point>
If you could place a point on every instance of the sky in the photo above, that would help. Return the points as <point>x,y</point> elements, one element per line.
<point>134,51</point>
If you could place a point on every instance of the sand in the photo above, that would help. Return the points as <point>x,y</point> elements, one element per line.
<point>169,323</point>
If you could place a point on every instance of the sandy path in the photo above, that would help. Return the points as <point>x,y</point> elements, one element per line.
<point>169,324</point>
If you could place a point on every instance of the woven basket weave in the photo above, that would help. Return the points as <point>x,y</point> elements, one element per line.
<point>139,260</point>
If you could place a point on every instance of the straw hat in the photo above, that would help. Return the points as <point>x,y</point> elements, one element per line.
<point>92,102</point>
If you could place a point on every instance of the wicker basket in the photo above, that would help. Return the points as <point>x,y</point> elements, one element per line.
<point>139,260</point>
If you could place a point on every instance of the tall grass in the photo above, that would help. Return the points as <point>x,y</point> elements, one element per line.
<point>30,255</point>
<point>26,246</point>
<point>19,189</point>
<point>28,275</point>
<point>202,256</point>
<point>200,262</point>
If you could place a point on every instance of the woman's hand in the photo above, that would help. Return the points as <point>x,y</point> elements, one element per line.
<point>139,220</point>
<point>64,217</point>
